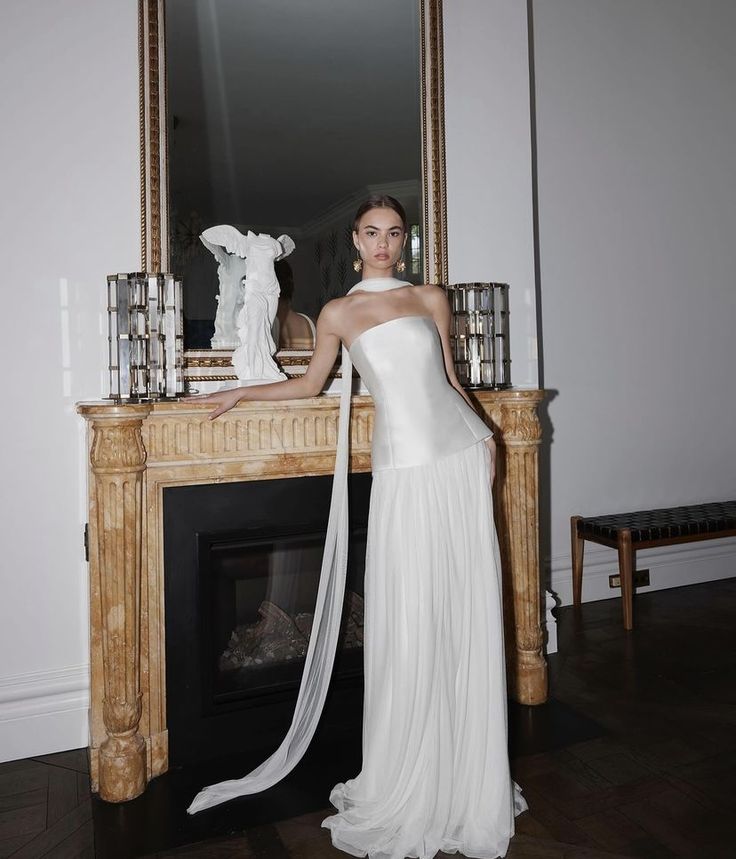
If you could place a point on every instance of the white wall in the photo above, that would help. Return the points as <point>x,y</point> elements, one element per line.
<point>489,161</point>
<point>70,215</point>
<point>636,134</point>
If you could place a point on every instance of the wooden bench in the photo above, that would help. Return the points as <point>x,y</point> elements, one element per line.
<point>645,529</point>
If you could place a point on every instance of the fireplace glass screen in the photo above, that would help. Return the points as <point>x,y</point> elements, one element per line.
<point>261,595</point>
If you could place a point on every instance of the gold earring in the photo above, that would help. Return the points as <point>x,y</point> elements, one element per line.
<point>358,262</point>
<point>401,265</point>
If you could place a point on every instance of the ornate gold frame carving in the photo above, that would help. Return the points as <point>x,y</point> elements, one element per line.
<point>154,149</point>
<point>433,138</point>
<point>154,140</point>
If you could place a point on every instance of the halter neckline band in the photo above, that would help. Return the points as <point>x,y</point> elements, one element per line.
<point>378,284</point>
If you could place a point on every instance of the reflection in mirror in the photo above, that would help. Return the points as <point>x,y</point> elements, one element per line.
<point>282,117</point>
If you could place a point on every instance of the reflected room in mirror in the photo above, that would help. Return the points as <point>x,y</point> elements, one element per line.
<point>282,117</point>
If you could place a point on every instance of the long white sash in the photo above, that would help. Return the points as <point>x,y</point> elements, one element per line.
<point>327,616</point>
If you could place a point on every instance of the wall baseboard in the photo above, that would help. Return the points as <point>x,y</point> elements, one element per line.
<point>44,712</point>
<point>669,567</point>
<point>549,623</point>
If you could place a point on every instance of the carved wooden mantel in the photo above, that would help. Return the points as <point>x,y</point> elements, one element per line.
<point>138,450</point>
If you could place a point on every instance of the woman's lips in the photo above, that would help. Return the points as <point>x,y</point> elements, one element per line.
<point>381,256</point>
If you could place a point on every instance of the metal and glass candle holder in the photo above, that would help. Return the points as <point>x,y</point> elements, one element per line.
<point>146,336</point>
<point>480,334</point>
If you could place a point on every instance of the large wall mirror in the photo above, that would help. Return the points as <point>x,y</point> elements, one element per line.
<point>280,116</point>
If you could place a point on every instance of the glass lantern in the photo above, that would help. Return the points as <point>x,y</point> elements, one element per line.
<point>479,334</point>
<point>146,336</point>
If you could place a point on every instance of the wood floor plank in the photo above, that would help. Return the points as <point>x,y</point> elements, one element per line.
<point>620,768</point>
<point>16,765</point>
<point>77,845</point>
<point>28,775</point>
<point>524,847</point>
<point>612,830</point>
<point>28,820</point>
<point>232,848</point>
<point>62,794</point>
<point>298,830</point>
<point>76,759</point>
<point>562,828</point>
<point>83,786</point>
<point>11,801</point>
<point>55,835</point>
<point>10,846</point>
<point>320,847</point>
<point>265,841</point>
<point>685,827</point>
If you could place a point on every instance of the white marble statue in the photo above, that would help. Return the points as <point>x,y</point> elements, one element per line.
<point>231,270</point>
<point>248,300</point>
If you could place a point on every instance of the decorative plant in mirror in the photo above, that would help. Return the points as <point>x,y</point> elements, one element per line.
<point>248,297</point>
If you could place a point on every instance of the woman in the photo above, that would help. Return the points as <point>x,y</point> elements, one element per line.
<point>295,330</point>
<point>435,771</point>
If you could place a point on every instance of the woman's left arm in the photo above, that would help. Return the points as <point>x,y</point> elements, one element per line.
<point>440,309</point>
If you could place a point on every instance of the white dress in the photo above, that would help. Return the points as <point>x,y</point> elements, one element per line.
<point>435,773</point>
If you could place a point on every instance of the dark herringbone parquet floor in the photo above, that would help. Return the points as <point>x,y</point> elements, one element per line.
<point>45,808</point>
<point>634,756</point>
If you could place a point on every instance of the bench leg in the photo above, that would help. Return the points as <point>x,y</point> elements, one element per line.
<point>626,574</point>
<point>578,546</point>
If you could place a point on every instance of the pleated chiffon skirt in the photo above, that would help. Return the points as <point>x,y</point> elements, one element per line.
<point>435,773</point>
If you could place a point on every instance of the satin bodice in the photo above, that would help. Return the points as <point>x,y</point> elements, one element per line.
<point>420,417</point>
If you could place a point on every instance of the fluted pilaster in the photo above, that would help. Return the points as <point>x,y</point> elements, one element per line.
<point>514,414</point>
<point>117,460</point>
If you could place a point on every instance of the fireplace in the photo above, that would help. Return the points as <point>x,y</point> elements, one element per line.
<point>241,570</point>
<point>140,452</point>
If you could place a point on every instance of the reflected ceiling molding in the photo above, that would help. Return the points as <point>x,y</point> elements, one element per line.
<point>154,146</point>
<point>345,209</point>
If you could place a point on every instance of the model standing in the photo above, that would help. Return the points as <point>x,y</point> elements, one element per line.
<point>435,773</point>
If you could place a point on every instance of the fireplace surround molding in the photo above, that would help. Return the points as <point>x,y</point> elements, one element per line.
<point>137,450</point>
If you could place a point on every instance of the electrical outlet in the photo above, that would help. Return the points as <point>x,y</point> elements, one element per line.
<point>641,579</point>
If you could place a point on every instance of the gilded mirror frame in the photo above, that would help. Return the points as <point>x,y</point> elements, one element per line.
<point>154,145</point>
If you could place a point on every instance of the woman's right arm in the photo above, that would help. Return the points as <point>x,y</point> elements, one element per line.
<point>308,385</point>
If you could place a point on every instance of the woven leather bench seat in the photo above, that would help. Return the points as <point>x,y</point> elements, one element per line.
<point>628,532</point>
<point>666,523</point>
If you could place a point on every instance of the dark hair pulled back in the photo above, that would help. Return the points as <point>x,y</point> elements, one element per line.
<point>380,201</point>
<point>285,277</point>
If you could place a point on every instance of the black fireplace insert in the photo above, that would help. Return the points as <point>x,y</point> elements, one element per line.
<point>242,563</point>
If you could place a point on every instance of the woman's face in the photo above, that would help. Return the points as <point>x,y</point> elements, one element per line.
<point>380,238</point>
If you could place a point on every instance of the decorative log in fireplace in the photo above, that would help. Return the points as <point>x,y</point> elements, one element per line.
<point>137,451</point>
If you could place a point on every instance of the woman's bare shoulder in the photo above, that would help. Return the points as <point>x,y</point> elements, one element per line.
<point>433,295</point>
<point>333,313</point>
